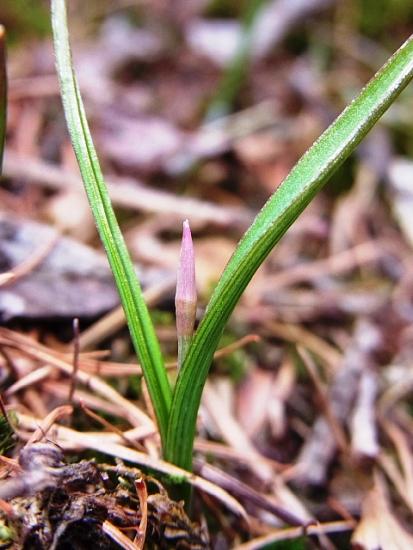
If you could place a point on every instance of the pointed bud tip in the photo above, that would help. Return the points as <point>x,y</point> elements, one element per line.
<point>186,230</point>
<point>186,237</point>
<point>185,296</point>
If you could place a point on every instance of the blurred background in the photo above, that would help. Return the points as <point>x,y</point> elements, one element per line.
<point>198,110</point>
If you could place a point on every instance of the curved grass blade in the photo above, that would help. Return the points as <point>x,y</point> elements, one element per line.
<point>3,93</point>
<point>304,181</point>
<point>136,312</point>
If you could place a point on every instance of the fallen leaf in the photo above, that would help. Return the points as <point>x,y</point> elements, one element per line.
<point>378,528</point>
<point>73,280</point>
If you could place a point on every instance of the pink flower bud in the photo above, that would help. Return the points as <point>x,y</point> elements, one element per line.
<point>185,296</point>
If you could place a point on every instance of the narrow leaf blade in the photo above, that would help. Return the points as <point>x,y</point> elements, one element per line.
<point>304,181</point>
<point>136,312</point>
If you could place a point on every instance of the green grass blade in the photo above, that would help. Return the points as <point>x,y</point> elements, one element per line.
<point>136,312</point>
<point>3,93</point>
<point>304,181</point>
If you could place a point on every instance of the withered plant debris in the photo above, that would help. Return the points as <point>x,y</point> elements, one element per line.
<point>55,505</point>
<point>71,270</point>
<point>56,265</point>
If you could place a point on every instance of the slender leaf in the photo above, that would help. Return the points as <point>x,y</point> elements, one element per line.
<point>304,181</point>
<point>136,312</point>
<point>3,93</point>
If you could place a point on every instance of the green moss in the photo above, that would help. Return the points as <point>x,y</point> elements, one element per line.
<point>7,534</point>
<point>25,18</point>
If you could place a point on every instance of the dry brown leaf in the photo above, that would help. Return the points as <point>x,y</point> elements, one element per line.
<point>378,528</point>
<point>73,280</point>
<point>399,468</point>
<point>70,212</point>
<point>142,492</point>
<point>215,40</point>
<point>253,399</point>
<point>400,194</point>
<point>219,408</point>
<point>261,399</point>
<point>364,433</point>
<point>281,390</point>
<point>116,535</point>
<point>33,349</point>
<point>158,141</point>
<point>290,533</point>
